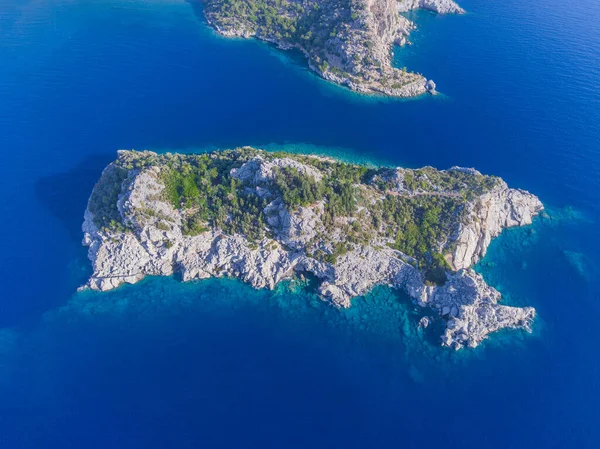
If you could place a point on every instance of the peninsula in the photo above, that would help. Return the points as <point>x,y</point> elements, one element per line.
<point>263,217</point>
<point>348,42</point>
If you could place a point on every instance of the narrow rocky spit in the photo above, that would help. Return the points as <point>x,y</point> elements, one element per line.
<point>347,42</point>
<point>135,228</point>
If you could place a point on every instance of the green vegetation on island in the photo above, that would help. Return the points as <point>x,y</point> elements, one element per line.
<point>413,211</point>
<point>347,41</point>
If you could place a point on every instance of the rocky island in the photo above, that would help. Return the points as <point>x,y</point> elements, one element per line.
<point>348,42</point>
<point>263,217</point>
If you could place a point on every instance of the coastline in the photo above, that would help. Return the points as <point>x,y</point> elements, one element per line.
<point>139,245</point>
<point>376,80</point>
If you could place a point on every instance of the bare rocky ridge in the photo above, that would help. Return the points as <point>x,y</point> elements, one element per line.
<point>348,42</point>
<point>150,238</point>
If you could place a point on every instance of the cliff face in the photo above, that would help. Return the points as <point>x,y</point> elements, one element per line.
<point>150,238</point>
<point>348,42</point>
<point>494,211</point>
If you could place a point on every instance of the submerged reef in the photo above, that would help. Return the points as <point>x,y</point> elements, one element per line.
<point>348,42</point>
<point>263,217</point>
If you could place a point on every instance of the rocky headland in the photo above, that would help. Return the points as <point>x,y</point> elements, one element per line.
<point>264,217</point>
<point>348,42</point>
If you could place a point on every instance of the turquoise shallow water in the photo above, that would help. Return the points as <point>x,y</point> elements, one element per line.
<point>217,364</point>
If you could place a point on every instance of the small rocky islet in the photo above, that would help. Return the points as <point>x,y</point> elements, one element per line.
<point>347,42</point>
<point>263,217</point>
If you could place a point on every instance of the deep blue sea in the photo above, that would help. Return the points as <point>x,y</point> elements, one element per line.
<point>216,364</point>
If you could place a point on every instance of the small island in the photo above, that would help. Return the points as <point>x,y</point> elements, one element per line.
<point>263,217</point>
<point>348,42</point>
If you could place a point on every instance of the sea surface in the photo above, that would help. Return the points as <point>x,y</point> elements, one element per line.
<point>216,364</point>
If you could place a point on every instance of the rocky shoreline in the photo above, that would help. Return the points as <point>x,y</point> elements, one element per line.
<point>134,230</point>
<point>347,42</point>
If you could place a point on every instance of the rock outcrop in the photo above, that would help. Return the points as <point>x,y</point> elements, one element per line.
<point>494,211</point>
<point>348,42</point>
<point>148,236</point>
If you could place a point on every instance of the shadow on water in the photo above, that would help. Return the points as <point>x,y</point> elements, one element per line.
<point>66,194</point>
<point>198,8</point>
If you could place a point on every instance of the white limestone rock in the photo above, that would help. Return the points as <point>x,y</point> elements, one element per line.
<point>494,211</point>
<point>424,322</point>
<point>259,171</point>
<point>473,310</point>
<point>154,244</point>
